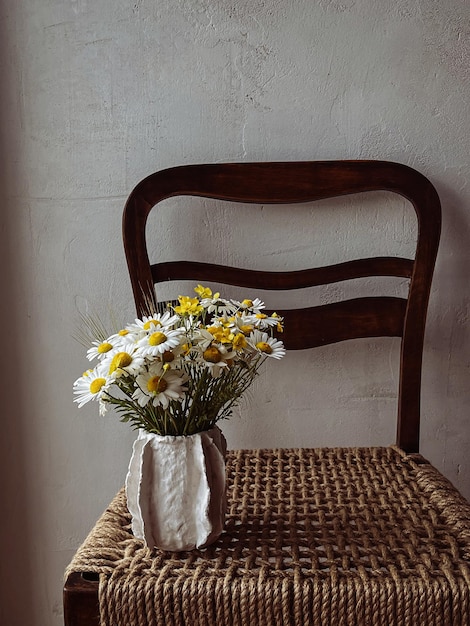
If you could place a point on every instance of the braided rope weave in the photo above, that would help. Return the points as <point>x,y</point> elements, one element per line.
<point>353,536</point>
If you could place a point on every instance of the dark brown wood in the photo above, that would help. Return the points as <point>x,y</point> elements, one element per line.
<point>360,268</point>
<point>265,183</point>
<point>293,183</point>
<point>339,321</point>
<point>81,606</point>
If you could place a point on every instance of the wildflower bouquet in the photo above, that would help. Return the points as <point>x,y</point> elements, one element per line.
<point>181,371</point>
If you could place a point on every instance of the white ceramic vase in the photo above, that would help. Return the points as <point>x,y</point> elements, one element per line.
<point>175,489</point>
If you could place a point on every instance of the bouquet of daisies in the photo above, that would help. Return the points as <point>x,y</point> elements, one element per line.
<point>181,371</point>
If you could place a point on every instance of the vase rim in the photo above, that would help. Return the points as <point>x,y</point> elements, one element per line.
<point>144,434</point>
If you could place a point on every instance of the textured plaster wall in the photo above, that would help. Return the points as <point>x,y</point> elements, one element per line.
<point>96,95</point>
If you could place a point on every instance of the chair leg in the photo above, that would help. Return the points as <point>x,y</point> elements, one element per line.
<point>81,605</point>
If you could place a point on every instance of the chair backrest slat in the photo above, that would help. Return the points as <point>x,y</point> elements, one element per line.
<point>300,279</point>
<point>338,321</point>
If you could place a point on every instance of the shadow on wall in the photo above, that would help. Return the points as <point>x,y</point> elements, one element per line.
<point>456,229</point>
<point>16,585</point>
<point>448,337</point>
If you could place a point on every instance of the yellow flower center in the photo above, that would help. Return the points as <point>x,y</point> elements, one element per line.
<point>104,347</point>
<point>157,338</point>
<point>97,384</point>
<point>149,323</point>
<point>123,333</point>
<point>263,346</point>
<point>121,359</point>
<point>157,384</point>
<point>261,316</point>
<point>246,329</point>
<point>212,355</point>
<point>168,356</point>
<point>247,302</point>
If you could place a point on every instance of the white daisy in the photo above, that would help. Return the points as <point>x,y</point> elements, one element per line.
<point>159,321</point>
<point>253,306</point>
<point>202,338</point>
<point>267,345</point>
<point>123,338</point>
<point>219,306</point>
<point>159,385</point>
<point>216,358</point>
<point>242,324</point>
<point>123,360</point>
<point>263,321</point>
<point>99,349</point>
<point>173,358</point>
<point>91,386</point>
<point>157,342</point>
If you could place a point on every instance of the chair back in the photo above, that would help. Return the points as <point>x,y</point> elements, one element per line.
<point>293,183</point>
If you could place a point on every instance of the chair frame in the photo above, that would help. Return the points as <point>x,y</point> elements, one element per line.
<point>300,182</point>
<point>293,183</point>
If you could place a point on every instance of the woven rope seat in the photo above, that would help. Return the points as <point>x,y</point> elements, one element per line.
<point>313,537</point>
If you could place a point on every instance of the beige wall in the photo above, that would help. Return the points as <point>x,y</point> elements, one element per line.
<point>96,95</point>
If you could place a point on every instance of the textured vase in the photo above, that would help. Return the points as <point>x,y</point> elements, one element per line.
<point>175,489</point>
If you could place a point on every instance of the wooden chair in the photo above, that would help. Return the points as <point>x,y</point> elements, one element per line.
<point>323,536</point>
